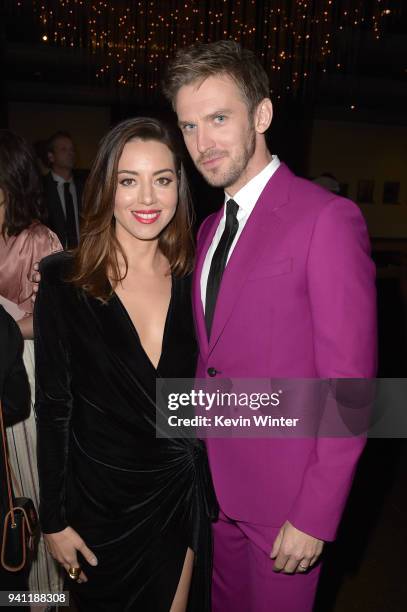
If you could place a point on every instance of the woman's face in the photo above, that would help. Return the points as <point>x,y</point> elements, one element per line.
<point>147,190</point>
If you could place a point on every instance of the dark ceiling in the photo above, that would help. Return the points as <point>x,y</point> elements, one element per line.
<point>373,80</point>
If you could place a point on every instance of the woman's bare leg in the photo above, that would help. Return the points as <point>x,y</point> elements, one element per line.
<point>180,600</point>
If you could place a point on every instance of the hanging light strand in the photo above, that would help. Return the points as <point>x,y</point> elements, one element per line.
<point>131,41</point>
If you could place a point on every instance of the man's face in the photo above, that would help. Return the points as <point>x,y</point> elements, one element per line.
<point>218,131</point>
<point>63,154</point>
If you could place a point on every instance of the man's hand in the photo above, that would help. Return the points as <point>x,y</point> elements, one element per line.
<point>294,550</point>
<point>36,278</point>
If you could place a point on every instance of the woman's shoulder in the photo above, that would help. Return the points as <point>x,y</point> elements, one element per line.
<point>55,267</point>
<point>28,235</point>
<point>38,230</point>
<point>38,237</point>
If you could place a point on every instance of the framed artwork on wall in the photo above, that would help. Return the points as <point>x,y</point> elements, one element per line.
<point>391,192</point>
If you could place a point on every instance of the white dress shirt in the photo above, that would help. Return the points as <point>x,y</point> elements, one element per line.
<point>60,188</point>
<point>246,199</point>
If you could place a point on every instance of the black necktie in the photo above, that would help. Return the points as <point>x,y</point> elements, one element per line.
<point>219,260</point>
<point>71,236</point>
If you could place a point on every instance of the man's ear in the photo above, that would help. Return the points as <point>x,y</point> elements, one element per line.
<point>263,116</point>
<point>50,157</point>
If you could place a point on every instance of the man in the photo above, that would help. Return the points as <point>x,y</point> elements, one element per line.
<point>63,190</point>
<point>284,287</point>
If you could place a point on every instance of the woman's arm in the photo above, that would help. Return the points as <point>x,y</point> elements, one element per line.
<point>54,405</point>
<point>35,243</point>
<point>53,401</point>
<point>15,391</point>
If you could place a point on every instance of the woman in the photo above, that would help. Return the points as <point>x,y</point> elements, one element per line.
<point>128,509</point>
<point>15,406</point>
<point>24,240</point>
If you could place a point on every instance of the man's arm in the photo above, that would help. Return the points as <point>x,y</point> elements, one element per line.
<point>341,284</point>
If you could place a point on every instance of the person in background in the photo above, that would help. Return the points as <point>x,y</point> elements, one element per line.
<point>329,182</point>
<point>63,189</point>
<point>15,402</point>
<point>24,240</point>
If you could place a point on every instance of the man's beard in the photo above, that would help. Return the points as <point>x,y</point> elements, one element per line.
<point>238,166</point>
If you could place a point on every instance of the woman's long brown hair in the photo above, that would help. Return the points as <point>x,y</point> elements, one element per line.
<point>96,262</point>
<point>21,184</point>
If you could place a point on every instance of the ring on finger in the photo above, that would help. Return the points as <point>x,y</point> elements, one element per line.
<point>74,572</point>
<point>303,567</point>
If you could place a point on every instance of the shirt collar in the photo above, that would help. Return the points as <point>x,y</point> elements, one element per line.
<point>60,179</point>
<point>248,195</point>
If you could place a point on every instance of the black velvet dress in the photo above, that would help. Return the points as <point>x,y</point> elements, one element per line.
<point>137,501</point>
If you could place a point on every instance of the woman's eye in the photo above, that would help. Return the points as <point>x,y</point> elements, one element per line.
<point>126,182</point>
<point>163,180</point>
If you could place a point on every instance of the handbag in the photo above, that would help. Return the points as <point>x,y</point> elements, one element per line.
<point>20,523</point>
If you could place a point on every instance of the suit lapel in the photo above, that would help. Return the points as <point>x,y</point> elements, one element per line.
<point>56,215</point>
<point>259,231</point>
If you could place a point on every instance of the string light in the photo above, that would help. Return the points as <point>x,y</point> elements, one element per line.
<point>132,41</point>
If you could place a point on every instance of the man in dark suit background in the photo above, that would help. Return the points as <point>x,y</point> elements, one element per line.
<point>63,190</point>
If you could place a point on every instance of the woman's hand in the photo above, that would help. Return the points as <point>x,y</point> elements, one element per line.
<point>36,279</point>
<point>64,545</point>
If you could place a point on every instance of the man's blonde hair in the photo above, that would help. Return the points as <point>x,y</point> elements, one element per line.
<point>224,57</point>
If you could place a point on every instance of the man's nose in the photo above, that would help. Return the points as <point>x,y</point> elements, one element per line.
<point>204,141</point>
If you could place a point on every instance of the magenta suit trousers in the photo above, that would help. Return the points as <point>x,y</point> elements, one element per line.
<point>244,580</point>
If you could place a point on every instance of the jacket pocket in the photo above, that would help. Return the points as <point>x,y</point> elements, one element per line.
<point>271,268</point>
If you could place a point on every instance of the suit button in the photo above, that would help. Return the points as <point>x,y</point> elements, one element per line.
<point>212,371</point>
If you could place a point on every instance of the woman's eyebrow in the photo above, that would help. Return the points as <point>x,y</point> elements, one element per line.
<point>154,173</point>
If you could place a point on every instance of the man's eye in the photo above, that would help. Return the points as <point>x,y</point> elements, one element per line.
<point>188,127</point>
<point>220,118</point>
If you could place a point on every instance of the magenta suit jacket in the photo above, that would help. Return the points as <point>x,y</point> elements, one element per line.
<point>297,300</point>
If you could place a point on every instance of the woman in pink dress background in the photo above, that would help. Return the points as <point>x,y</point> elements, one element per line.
<point>24,240</point>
